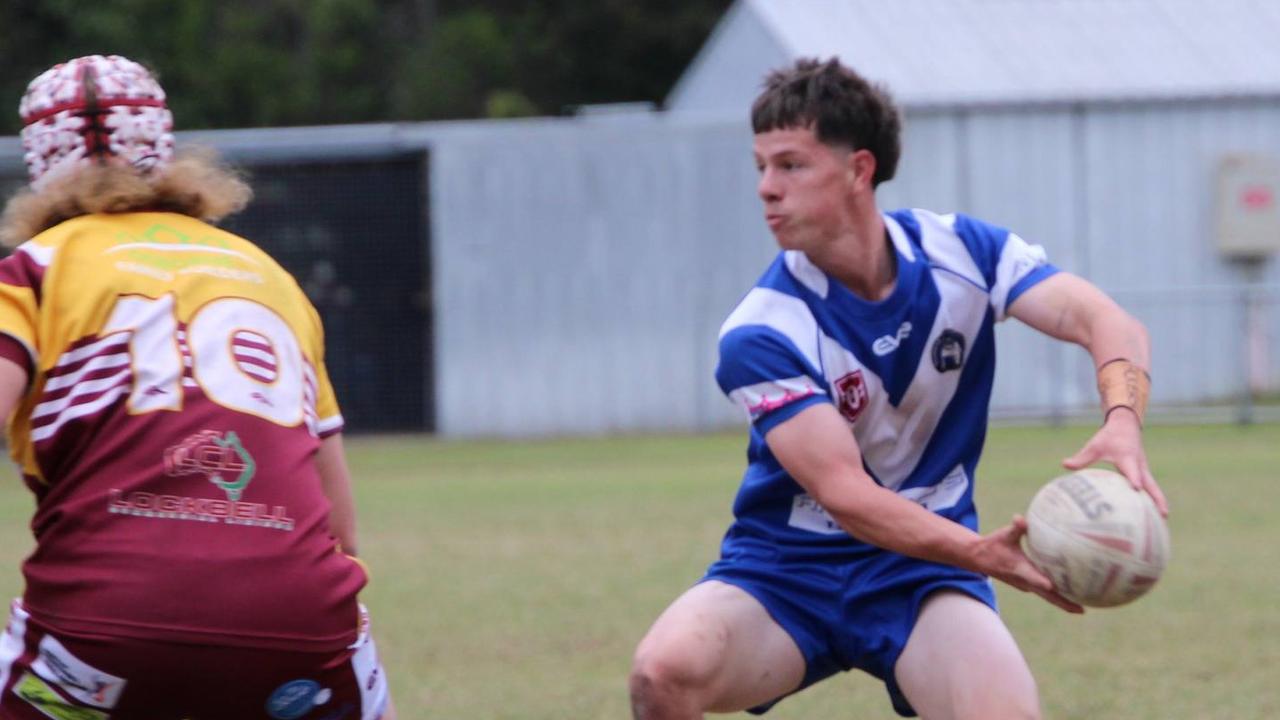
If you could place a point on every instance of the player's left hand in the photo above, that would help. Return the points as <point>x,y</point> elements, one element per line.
<point>1119,442</point>
<point>1003,558</point>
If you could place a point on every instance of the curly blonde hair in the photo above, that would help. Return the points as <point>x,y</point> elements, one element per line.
<point>197,183</point>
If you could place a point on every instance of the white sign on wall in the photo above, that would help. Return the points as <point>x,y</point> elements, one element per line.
<point>1248,206</point>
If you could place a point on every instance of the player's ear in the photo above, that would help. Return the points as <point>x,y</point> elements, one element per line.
<point>861,166</point>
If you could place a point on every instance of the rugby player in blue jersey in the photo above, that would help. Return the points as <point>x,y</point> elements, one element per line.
<point>864,357</point>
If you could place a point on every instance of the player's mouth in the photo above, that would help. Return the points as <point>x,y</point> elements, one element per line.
<point>775,220</point>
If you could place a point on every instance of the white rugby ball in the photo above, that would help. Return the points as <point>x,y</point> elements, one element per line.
<point>1101,542</point>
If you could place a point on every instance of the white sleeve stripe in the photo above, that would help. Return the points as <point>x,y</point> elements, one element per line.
<point>809,275</point>
<point>899,236</point>
<point>945,248</point>
<point>75,411</point>
<point>1017,259</point>
<point>42,254</point>
<point>330,423</point>
<point>781,312</point>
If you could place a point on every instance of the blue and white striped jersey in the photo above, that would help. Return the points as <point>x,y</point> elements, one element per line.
<point>911,374</point>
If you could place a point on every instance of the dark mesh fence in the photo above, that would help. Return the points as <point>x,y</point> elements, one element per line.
<point>354,234</point>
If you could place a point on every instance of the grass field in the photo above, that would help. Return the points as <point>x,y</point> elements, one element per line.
<point>512,580</point>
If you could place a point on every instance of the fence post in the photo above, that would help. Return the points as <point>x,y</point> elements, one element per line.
<point>1245,416</point>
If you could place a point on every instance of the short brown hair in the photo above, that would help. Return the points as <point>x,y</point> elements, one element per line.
<point>839,105</point>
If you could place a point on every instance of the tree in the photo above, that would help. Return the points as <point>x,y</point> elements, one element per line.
<point>252,63</point>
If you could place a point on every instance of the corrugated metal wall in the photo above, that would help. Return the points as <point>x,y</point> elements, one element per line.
<point>582,272</point>
<point>1125,196</point>
<point>581,267</point>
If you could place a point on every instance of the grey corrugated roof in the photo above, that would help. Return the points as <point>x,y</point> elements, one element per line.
<point>980,51</point>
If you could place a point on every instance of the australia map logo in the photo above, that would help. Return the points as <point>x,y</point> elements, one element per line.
<point>222,460</point>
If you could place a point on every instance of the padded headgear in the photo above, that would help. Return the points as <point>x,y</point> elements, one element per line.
<point>94,109</point>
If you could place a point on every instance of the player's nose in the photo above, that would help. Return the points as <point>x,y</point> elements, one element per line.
<point>768,187</point>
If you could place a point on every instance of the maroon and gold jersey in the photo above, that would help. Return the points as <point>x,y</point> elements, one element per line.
<point>177,398</point>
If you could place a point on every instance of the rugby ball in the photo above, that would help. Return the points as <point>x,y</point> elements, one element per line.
<point>1099,540</point>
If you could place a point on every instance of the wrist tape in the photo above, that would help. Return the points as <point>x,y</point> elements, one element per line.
<point>1123,384</point>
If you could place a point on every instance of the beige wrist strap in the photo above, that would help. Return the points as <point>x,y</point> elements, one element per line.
<point>1123,384</point>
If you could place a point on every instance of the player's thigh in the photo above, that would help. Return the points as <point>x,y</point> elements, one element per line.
<point>962,662</point>
<point>719,643</point>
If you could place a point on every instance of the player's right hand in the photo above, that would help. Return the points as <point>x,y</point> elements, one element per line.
<point>1119,442</point>
<point>1001,556</point>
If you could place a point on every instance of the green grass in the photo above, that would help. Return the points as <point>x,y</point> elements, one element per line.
<point>512,580</point>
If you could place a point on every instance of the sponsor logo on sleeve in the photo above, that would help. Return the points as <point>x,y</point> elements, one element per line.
<point>763,398</point>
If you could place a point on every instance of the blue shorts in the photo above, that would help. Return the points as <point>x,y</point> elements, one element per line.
<point>844,613</point>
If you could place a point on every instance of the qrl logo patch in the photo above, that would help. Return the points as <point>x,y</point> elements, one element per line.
<point>851,392</point>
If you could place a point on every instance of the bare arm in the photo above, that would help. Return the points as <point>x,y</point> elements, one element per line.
<point>335,480</point>
<point>818,450</point>
<point>13,383</point>
<point>1070,308</point>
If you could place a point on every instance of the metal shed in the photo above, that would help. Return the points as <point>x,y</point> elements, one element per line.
<point>576,269</point>
<point>982,52</point>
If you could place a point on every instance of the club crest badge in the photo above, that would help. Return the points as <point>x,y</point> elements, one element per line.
<point>851,395</point>
<point>218,457</point>
<point>948,351</point>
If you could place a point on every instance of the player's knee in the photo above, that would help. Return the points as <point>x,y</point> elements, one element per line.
<point>1017,705</point>
<point>655,675</point>
<point>1013,696</point>
<point>662,680</point>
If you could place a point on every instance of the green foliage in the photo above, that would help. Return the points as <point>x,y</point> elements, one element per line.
<point>508,104</point>
<point>449,74</point>
<point>252,63</point>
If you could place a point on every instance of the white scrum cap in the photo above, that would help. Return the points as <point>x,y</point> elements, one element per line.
<point>94,109</point>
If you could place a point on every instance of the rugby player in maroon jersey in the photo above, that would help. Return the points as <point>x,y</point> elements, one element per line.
<point>170,409</point>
